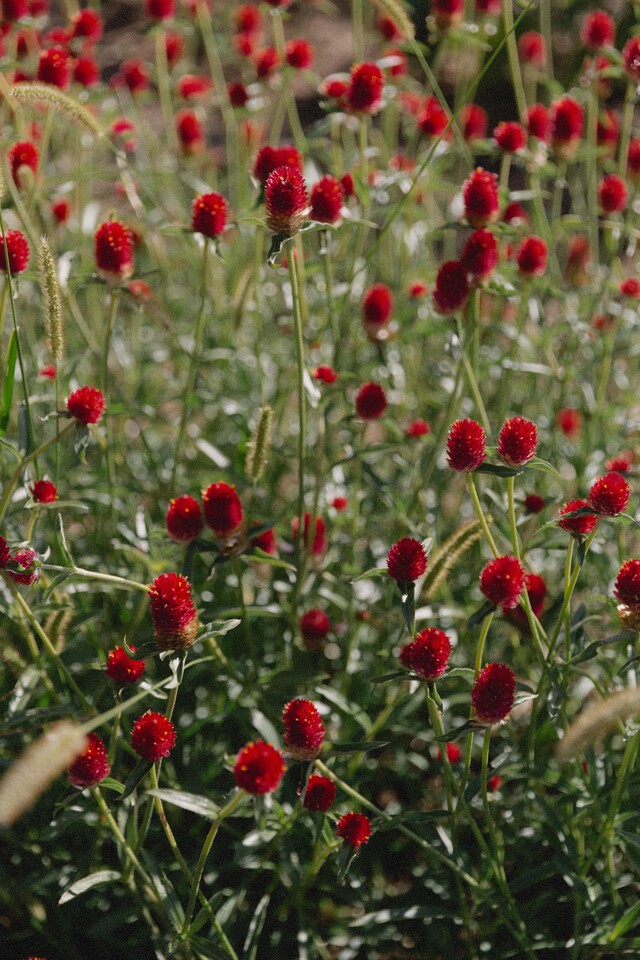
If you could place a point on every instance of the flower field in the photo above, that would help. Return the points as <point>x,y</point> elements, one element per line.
<point>319,446</point>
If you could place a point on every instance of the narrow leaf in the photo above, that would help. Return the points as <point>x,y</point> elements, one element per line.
<point>86,883</point>
<point>188,801</point>
<point>9,378</point>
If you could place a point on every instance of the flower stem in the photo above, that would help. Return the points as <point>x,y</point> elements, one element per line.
<point>302,418</point>
<point>570,584</point>
<point>480,513</point>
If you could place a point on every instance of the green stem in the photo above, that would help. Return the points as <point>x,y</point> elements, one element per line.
<point>436,722</point>
<point>480,512</point>
<point>570,585</point>
<point>486,624</point>
<point>302,421</point>
<point>514,60</point>
<point>287,92</point>
<point>625,128</point>
<point>162,73</point>
<point>95,575</point>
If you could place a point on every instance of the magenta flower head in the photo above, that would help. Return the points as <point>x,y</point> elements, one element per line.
<point>259,768</point>
<point>91,766</point>
<point>354,828</point>
<point>406,560</point>
<point>209,214</point>
<point>502,581</point>
<point>175,620</point>
<point>303,729</point>
<point>428,654</point>
<point>517,441</point>
<point>222,508</point>
<point>184,518</point>
<point>320,793</point>
<point>86,404</point>
<point>609,495</point>
<point>493,693</point>
<point>121,668</point>
<point>286,200</point>
<point>153,736</point>
<point>480,195</point>
<point>327,199</point>
<point>466,445</point>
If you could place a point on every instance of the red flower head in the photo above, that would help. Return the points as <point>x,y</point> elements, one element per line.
<point>184,518</point>
<point>473,122</point>
<point>428,653</point>
<point>17,252</point>
<point>532,49</point>
<point>44,491</point>
<point>537,121</point>
<point>266,62</point>
<point>510,136</point>
<point>631,58</point>
<point>627,585</point>
<point>121,668</point>
<point>299,54</point>
<point>532,257</point>
<point>325,374</point>
<point>447,13</point>
<point>387,28</point>
<point>266,541</point>
<point>153,736</point>
<point>14,10</point>
<point>364,93</point>
<point>630,287</point>
<point>349,186</point>
<point>114,251</point>
<point>160,9</point>
<point>269,159</point>
<point>480,195</point>
<point>286,200</point>
<point>23,159</point>
<point>320,793</point>
<point>134,75</point>
<point>247,18</point>
<point>451,290</point>
<point>61,210</point>
<point>417,428</point>
<point>581,526</point>
<point>354,828</point>
<point>85,71</point>
<point>371,401</point>
<point>48,372</point>
<point>515,214</point>
<point>377,305</point>
<point>318,545</point>
<point>621,463</point>
<point>502,582</point>
<point>598,30</point>
<point>91,766</point>
<point>608,133</point>
<point>534,503</point>
<point>86,25</point>
<point>86,404</point>
<point>327,198</point>
<point>453,752</point>
<point>480,255</point>
<point>566,123</point>
<point>466,445</point>
<point>190,132</point>
<point>433,118</point>
<point>517,441</point>
<point>259,768</point>
<point>314,627</point>
<point>175,621</point>
<point>53,67</point>
<point>633,160</point>
<point>222,508</point>
<point>609,495</point>
<point>493,693</point>
<point>5,553</point>
<point>612,194</point>
<point>536,590</point>
<point>303,729</point>
<point>570,422</point>
<point>406,560</point>
<point>25,568</point>
<point>209,214</point>
<point>238,95</point>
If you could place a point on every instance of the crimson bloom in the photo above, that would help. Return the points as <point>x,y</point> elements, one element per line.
<point>153,736</point>
<point>612,194</point>
<point>473,122</point>
<point>627,585</point>
<point>121,668</point>
<point>582,525</point>
<point>466,445</point>
<point>325,374</point>
<point>631,58</point>
<point>354,828</point>
<point>320,793</point>
<point>314,628</point>
<point>190,132</point>
<point>327,198</point>
<point>537,121</point>
<point>25,568</point>
<point>364,92</point>
<point>566,123</point>
<point>114,251</point>
<point>371,401</point>
<point>377,306</point>
<point>299,54</point>
<point>406,560</point>
<point>510,136</point>
<point>209,214</point>
<point>269,159</point>
<point>451,290</point>
<point>502,581</point>
<point>609,495</point>
<point>175,620</point>
<point>91,766</point>
<point>259,768</point>
<point>433,118</point>
<point>537,591</point>
<point>480,195</point>
<point>53,67</point>
<point>286,200</point>
<point>222,508</point>
<point>160,9</point>
<point>184,518</point>
<point>480,255</point>
<point>17,254</point>
<point>532,257</point>
<point>22,156</point>
<point>44,491</point>
<point>86,404</point>
<point>517,441</point>
<point>493,693</point>
<point>303,729</point>
<point>314,537</point>
<point>532,49</point>
<point>428,653</point>
<point>417,428</point>
<point>598,30</point>
<point>570,422</point>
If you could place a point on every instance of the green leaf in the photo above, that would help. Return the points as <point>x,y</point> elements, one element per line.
<point>188,801</point>
<point>538,464</point>
<point>205,948</point>
<point>498,470</point>
<point>110,784</point>
<point>359,746</point>
<point>412,817</point>
<point>374,572</point>
<point>250,948</point>
<point>386,677</point>
<point>218,628</point>
<point>81,441</point>
<point>138,774</point>
<point>145,650</point>
<point>165,891</point>
<point>457,732</point>
<point>484,611</point>
<point>9,377</point>
<point>626,922</point>
<point>62,542</point>
<point>408,603</point>
<point>277,243</point>
<point>86,883</point>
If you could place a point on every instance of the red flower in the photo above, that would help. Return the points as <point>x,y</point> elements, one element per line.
<point>493,693</point>
<point>22,156</point>
<point>339,503</point>
<point>364,93</point>
<point>598,30</point>
<point>377,306</point>
<point>153,736</point>
<point>190,132</point>
<point>327,198</point>
<point>86,404</point>
<point>466,445</point>
<point>85,71</point>
<point>286,200</point>
<point>480,255</point>
<point>160,9</point>
<point>631,58</point>
<point>114,251</point>
<point>303,729</point>
<point>247,18</point>
<point>566,123</point>
<point>534,503</point>
<point>473,122</point>
<point>259,768</point>
<point>222,508</point>
<point>325,374</point>
<point>91,766</point>
<point>502,581</point>
<point>609,495</point>
<point>515,214</point>
<point>175,620</point>
<point>17,254</point>
<point>269,159</point>
<point>61,210</point>
<point>570,422</point>
<point>406,560</point>
<point>428,653</point>
<point>517,441</point>
<point>608,133</point>
<point>209,214</point>
<point>417,428</point>
<point>299,54</point>
<point>627,585</point>
<point>44,491</point>
<point>451,290</point>
<point>25,569</point>
<point>121,668</point>
<point>53,67</point>
<point>532,257</point>
<point>510,136</point>
<point>582,525</point>
<point>537,121</point>
<point>184,518</point>
<point>320,793</point>
<point>433,118</point>
<point>453,751</point>
<point>633,159</point>
<point>480,195</point>
<point>5,553</point>
<point>14,10</point>
<point>532,49</point>
<point>622,463</point>
<point>266,541</point>
<point>371,401</point>
<point>266,62</point>
<point>354,828</point>
<point>238,94</point>
<point>48,372</point>
<point>314,627</point>
<point>612,194</point>
<point>418,289</point>
<point>347,184</point>
<point>86,25</point>
<point>447,13</point>
<point>536,590</point>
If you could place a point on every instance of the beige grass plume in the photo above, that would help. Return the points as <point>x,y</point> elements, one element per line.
<point>53,321</point>
<point>596,721</point>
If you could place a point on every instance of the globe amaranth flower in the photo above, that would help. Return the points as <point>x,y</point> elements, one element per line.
<point>314,628</point>
<point>259,768</point>
<point>114,251</point>
<point>286,200</point>
<point>480,255</point>
<point>417,428</point>
<point>190,131</point>
<point>612,194</point>
<point>532,257</point>
<point>209,214</point>
<point>581,525</point>
<point>53,67</point>
<point>303,729</point>
<point>325,374</point>
<point>354,828</point>
<point>598,30</point>
<point>466,445</point>
<point>371,401</point>
<point>480,195</point>
<point>473,121</point>
<point>121,668</point>
<point>432,119</point>
<point>570,422</point>
<point>536,588</point>
<point>451,290</point>
<point>319,794</point>
<point>175,620</point>
<point>222,508</point>
<point>313,535</point>
<point>627,591</point>
<point>534,503</point>
<point>24,567</point>
<point>17,253</point>
<point>427,654</point>
<point>153,736</point>
<point>364,91</point>
<point>184,518</point>
<point>493,693</point>
<point>631,58</point>
<point>23,161</point>
<point>327,199</point>
<point>406,560</point>
<point>299,53</point>
<point>510,136</point>
<point>91,766</point>
<point>537,121</point>
<point>160,9</point>
<point>377,306</point>
<point>517,441</point>
<point>44,491</point>
<point>270,158</point>
<point>502,581</point>
<point>5,553</point>
<point>566,125</point>
<point>86,404</point>
<point>609,495</point>
<point>453,751</point>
